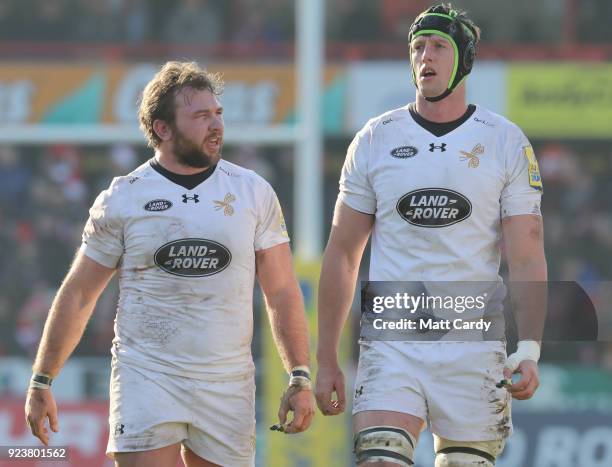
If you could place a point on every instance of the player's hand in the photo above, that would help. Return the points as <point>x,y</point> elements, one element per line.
<point>329,380</point>
<point>40,405</point>
<point>301,403</point>
<point>526,386</point>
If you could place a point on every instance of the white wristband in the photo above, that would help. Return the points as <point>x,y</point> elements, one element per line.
<point>37,385</point>
<point>526,350</point>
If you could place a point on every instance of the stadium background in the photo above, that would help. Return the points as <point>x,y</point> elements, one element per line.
<point>545,64</point>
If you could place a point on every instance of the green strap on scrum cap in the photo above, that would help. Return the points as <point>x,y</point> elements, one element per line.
<point>448,27</point>
<point>425,32</point>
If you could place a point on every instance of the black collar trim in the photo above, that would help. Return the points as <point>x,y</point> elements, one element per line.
<point>441,129</point>
<point>186,181</point>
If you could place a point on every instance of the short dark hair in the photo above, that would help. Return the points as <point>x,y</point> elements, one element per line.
<point>158,97</point>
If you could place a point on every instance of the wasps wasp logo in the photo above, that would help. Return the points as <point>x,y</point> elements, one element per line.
<point>472,156</point>
<point>226,205</point>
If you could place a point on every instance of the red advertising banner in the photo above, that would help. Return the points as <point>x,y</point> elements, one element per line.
<point>83,430</point>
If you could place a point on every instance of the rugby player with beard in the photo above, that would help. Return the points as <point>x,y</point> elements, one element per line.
<point>188,233</point>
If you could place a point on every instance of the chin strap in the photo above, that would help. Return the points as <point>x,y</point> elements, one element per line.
<point>460,36</point>
<point>440,97</point>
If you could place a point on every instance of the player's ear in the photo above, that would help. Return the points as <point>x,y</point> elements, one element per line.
<point>162,130</point>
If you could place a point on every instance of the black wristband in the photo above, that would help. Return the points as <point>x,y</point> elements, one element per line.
<point>42,379</point>
<point>301,373</point>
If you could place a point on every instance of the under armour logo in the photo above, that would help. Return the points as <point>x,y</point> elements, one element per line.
<point>433,147</point>
<point>359,392</point>
<point>193,198</point>
<point>119,429</point>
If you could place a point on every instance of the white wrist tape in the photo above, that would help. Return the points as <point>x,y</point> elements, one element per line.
<point>41,381</point>
<point>37,385</point>
<point>300,382</point>
<point>526,350</point>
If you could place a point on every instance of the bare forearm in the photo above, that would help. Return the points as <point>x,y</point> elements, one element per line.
<point>336,291</point>
<point>289,328</point>
<point>524,239</point>
<point>528,269</point>
<point>528,291</point>
<point>63,330</point>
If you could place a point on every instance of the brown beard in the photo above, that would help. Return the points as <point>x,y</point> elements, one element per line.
<point>189,154</point>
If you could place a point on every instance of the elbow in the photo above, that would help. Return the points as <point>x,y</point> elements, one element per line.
<point>338,257</point>
<point>284,297</point>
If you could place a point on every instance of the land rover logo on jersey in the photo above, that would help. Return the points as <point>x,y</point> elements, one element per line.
<point>193,257</point>
<point>158,205</point>
<point>434,207</point>
<point>404,152</point>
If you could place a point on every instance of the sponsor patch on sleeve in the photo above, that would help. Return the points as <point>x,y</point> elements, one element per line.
<point>535,179</point>
<point>283,226</point>
<point>281,220</point>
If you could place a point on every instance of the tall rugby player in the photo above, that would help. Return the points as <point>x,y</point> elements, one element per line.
<point>436,183</point>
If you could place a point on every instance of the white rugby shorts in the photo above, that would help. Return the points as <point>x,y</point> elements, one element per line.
<point>449,384</point>
<point>150,410</point>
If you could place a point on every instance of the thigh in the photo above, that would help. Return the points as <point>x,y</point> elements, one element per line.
<point>464,402</point>
<point>147,410</point>
<point>191,459</point>
<point>162,457</point>
<point>388,379</point>
<point>366,419</point>
<point>223,428</point>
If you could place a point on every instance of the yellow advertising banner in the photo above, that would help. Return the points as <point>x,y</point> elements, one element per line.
<point>68,93</point>
<point>328,441</point>
<point>561,100</point>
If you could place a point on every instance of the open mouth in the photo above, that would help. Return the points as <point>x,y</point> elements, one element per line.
<point>213,142</point>
<point>428,73</point>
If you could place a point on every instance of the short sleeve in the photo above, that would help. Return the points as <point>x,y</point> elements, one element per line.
<point>103,232</point>
<point>355,188</point>
<point>271,229</point>
<point>522,193</point>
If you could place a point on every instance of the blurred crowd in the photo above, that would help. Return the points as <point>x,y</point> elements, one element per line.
<point>45,193</point>
<point>213,22</point>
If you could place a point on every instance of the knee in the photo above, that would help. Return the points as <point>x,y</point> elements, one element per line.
<point>467,453</point>
<point>384,445</point>
<point>462,459</point>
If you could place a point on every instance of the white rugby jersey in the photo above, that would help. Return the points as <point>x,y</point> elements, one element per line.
<point>186,264</point>
<point>438,201</point>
